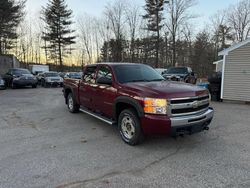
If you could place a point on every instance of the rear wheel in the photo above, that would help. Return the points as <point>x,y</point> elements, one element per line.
<point>72,105</point>
<point>129,127</point>
<point>13,86</point>
<point>42,83</point>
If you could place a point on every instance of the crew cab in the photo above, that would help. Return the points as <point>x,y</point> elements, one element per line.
<point>139,101</point>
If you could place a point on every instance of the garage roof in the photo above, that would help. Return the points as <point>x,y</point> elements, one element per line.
<point>235,46</point>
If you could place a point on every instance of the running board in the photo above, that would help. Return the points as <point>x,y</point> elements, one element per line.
<point>104,119</point>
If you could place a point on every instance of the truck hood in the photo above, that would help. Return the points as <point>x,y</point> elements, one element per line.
<point>166,89</point>
<point>53,77</point>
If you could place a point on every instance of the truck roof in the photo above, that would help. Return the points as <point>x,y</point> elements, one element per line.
<point>114,63</point>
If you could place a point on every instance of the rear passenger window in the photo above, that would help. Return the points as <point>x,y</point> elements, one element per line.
<point>104,72</point>
<point>89,74</point>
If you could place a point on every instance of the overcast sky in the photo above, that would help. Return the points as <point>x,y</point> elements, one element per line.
<point>204,8</point>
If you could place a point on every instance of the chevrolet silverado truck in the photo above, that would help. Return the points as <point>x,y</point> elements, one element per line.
<point>139,101</point>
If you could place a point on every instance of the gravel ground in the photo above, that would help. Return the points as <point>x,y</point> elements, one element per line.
<point>43,145</point>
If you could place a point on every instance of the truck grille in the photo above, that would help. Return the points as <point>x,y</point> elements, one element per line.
<point>55,80</point>
<point>26,78</point>
<point>188,106</point>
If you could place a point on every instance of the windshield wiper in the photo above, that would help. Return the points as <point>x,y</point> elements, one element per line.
<point>142,80</point>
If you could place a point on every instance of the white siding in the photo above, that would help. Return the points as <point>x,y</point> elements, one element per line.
<point>219,66</point>
<point>237,74</point>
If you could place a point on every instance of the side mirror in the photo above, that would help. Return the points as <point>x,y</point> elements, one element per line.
<point>104,80</point>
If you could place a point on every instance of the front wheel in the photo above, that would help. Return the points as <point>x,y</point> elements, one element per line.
<point>72,105</point>
<point>13,86</point>
<point>129,127</point>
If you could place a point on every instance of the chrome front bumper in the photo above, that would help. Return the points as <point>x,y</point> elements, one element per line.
<point>191,120</point>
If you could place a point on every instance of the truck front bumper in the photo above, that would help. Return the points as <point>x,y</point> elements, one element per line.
<point>24,82</point>
<point>191,124</point>
<point>158,124</point>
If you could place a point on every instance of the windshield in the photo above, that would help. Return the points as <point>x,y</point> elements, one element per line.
<point>51,74</point>
<point>75,74</point>
<point>177,70</point>
<point>21,72</point>
<point>136,73</point>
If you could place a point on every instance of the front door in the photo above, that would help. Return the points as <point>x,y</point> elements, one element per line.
<point>105,93</point>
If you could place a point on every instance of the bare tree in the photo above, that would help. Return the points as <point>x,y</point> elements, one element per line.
<point>133,21</point>
<point>239,19</point>
<point>177,15</point>
<point>116,16</point>
<point>85,35</point>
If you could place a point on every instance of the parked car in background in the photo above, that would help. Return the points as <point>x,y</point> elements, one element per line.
<point>161,71</point>
<point>20,78</point>
<point>2,83</point>
<point>184,74</point>
<point>51,79</point>
<point>73,75</point>
<point>62,74</point>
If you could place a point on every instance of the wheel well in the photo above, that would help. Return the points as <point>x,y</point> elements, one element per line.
<point>67,92</point>
<point>122,106</point>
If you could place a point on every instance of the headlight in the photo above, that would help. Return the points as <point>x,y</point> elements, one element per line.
<point>16,78</point>
<point>155,106</point>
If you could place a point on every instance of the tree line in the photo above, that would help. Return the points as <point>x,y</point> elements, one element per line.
<point>161,33</point>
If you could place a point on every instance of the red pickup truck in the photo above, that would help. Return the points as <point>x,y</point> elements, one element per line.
<point>139,100</point>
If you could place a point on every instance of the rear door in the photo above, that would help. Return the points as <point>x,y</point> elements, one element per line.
<point>87,87</point>
<point>105,94</point>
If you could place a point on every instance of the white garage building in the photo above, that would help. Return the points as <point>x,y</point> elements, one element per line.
<point>236,72</point>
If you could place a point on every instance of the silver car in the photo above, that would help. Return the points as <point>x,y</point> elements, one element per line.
<point>2,83</point>
<point>51,79</point>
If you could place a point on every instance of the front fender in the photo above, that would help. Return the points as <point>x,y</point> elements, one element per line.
<point>131,101</point>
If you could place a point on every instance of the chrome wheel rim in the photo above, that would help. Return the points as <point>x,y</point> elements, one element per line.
<point>70,102</point>
<point>127,127</point>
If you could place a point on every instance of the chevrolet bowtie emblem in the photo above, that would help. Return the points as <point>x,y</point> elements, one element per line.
<point>195,104</point>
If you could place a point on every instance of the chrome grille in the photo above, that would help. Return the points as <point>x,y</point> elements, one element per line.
<point>188,106</point>
<point>53,79</point>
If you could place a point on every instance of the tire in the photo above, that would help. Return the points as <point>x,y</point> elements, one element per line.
<point>130,128</point>
<point>13,86</point>
<point>46,84</point>
<point>71,103</point>
<point>42,83</point>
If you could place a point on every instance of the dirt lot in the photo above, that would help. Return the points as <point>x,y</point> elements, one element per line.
<point>43,145</point>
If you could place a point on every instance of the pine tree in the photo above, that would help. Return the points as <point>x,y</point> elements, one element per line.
<point>58,34</point>
<point>154,16</point>
<point>11,14</point>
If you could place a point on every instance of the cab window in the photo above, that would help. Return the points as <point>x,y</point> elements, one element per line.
<point>104,71</point>
<point>89,74</point>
